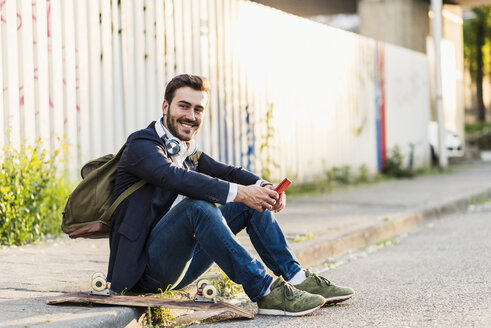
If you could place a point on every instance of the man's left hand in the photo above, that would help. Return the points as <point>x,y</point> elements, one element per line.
<point>280,203</point>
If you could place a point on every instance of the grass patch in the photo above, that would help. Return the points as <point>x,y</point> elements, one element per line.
<point>479,201</point>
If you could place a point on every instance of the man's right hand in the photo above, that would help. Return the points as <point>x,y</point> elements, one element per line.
<point>256,197</point>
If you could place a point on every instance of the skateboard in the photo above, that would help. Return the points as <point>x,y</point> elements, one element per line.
<point>99,294</point>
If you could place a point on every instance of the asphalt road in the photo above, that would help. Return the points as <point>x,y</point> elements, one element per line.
<point>437,276</point>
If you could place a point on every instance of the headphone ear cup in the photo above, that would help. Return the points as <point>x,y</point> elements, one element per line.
<point>172,147</point>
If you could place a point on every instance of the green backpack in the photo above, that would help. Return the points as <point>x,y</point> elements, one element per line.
<point>88,211</point>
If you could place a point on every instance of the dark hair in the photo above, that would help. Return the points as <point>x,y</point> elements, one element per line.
<point>195,82</point>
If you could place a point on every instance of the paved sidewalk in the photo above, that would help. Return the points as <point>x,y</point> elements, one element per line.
<point>333,224</point>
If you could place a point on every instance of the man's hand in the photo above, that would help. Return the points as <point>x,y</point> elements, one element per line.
<point>280,202</point>
<point>257,197</point>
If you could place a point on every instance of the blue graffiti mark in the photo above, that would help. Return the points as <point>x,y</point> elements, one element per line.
<point>378,125</point>
<point>251,140</point>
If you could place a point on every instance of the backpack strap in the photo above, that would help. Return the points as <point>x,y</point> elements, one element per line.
<point>137,185</point>
<point>194,158</point>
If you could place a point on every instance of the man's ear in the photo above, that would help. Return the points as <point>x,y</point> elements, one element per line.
<point>165,107</point>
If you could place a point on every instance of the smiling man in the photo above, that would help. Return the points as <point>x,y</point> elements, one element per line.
<point>170,231</point>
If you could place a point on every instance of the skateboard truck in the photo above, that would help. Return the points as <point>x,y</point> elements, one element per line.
<point>99,285</point>
<point>206,292</point>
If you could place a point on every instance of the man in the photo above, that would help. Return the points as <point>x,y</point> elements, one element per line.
<point>170,231</point>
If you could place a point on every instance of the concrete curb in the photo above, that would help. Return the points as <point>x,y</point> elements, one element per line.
<point>319,250</point>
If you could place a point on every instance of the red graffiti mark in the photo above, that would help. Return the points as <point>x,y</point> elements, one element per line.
<point>19,18</point>
<point>36,73</point>
<point>5,89</point>
<point>49,16</point>
<point>1,7</point>
<point>78,108</point>
<point>51,103</point>
<point>21,96</point>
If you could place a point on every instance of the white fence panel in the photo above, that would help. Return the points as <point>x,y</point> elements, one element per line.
<point>2,105</point>
<point>42,83</point>
<point>69,82</point>
<point>289,97</point>
<point>12,69</point>
<point>27,110</point>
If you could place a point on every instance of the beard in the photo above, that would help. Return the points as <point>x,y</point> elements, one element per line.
<point>172,126</point>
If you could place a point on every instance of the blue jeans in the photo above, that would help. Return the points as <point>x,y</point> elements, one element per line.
<point>195,233</point>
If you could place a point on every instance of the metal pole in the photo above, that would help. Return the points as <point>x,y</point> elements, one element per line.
<point>436,8</point>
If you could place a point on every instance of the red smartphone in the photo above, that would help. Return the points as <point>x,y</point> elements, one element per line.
<point>282,186</point>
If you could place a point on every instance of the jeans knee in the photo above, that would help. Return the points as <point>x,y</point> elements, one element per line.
<point>209,210</point>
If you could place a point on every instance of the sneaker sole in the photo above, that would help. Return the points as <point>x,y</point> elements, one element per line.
<point>337,299</point>
<point>288,314</point>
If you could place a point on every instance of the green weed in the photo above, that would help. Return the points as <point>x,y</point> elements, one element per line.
<point>225,286</point>
<point>300,238</point>
<point>157,317</point>
<point>160,317</point>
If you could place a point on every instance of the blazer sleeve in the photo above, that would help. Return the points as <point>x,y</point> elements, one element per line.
<point>211,167</point>
<point>146,159</point>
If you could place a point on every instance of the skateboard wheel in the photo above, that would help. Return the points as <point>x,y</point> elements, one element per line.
<point>98,284</point>
<point>202,283</point>
<point>209,291</point>
<point>98,274</point>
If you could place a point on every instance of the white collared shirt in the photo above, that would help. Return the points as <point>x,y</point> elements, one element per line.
<point>186,149</point>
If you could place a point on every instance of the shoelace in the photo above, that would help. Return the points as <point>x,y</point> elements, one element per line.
<point>287,289</point>
<point>320,279</point>
<point>288,293</point>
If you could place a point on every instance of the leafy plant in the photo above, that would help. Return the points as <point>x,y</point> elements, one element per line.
<point>394,165</point>
<point>339,174</point>
<point>364,175</point>
<point>266,147</point>
<point>32,195</point>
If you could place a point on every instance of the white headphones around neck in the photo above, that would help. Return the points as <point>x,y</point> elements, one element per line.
<point>173,146</point>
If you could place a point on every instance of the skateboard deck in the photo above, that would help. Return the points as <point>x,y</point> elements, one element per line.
<point>146,301</point>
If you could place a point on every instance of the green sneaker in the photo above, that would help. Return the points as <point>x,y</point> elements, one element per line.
<point>285,299</point>
<point>316,284</point>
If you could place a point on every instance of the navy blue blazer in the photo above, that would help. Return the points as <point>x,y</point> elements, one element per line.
<point>145,157</point>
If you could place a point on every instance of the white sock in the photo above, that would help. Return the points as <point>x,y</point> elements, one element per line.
<point>298,278</point>
<point>268,290</point>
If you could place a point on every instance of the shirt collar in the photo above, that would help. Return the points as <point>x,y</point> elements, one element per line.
<point>161,131</point>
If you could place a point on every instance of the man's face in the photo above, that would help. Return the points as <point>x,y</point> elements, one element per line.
<point>183,116</point>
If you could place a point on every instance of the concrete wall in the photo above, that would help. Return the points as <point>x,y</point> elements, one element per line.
<point>401,22</point>
<point>407,102</point>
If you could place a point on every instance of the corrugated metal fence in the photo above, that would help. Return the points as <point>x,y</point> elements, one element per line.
<point>289,96</point>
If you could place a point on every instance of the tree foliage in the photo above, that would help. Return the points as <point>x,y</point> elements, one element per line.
<point>477,52</point>
<point>473,45</point>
